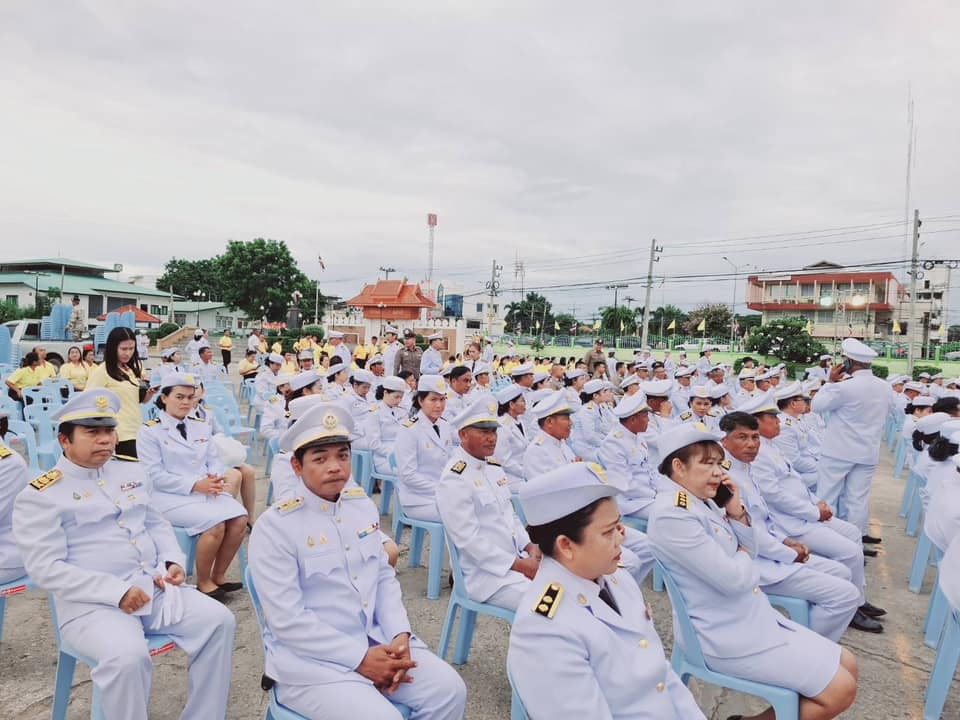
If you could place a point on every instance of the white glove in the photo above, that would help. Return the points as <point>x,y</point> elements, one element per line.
<point>171,608</point>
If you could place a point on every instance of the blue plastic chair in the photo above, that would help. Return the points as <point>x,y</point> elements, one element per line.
<point>188,544</point>
<point>944,668</point>
<point>362,469</point>
<point>21,432</point>
<point>276,711</point>
<point>937,612</point>
<point>915,515</point>
<point>468,613</point>
<point>9,589</point>
<point>914,480</point>
<point>387,484</point>
<point>922,558</point>
<point>273,447</point>
<point>67,662</point>
<point>690,661</point>
<point>900,458</point>
<point>797,608</point>
<point>634,522</point>
<point>48,448</point>
<point>418,531</point>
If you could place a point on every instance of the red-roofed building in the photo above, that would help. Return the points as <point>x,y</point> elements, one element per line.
<point>391,300</point>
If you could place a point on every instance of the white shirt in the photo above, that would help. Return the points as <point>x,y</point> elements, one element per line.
<point>857,410</point>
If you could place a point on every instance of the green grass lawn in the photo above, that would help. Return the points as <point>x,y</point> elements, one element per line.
<point>896,366</point>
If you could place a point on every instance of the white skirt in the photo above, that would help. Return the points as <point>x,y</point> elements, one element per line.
<point>197,518</point>
<point>806,663</point>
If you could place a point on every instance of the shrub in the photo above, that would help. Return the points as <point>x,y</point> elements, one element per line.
<point>932,369</point>
<point>314,330</point>
<point>880,371</point>
<point>166,329</point>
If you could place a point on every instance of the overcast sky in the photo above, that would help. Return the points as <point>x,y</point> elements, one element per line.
<point>135,131</point>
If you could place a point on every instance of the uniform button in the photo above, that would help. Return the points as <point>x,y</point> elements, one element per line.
<point>339,520</point>
<point>324,507</point>
<point>354,577</point>
<point>756,591</point>
<point>661,687</point>
<point>118,503</point>
<point>364,604</point>
<point>100,483</point>
<point>644,643</point>
<point>346,547</point>
<point>120,523</point>
<point>133,542</point>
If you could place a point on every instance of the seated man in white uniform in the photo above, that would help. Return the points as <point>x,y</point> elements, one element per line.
<point>473,497</point>
<point>338,641</point>
<point>90,536</point>
<point>14,477</point>
<point>549,448</point>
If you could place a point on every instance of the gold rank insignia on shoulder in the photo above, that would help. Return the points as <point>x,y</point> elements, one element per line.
<point>788,422</point>
<point>618,434</point>
<point>409,423</point>
<point>491,461</point>
<point>548,602</point>
<point>5,452</point>
<point>46,480</point>
<point>151,423</point>
<point>375,408</point>
<point>682,501</point>
<point>126,458</point>
<point>288,506</point>
<point>194,418</point>
<point>354,492</point>
<point>726,464</point>
<point>458,467</point>
<point>686,415</point>
<point>538,441</point>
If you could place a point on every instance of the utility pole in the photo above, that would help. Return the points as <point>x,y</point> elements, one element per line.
<point>914,269</point>
<point>616,289</point>
<point>386,271</point>
<point>493,289</point>
<point>645,334</point>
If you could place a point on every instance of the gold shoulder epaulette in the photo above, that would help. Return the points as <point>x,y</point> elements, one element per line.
<point>458,467</point>
<point>151,423</point>
<point>788,422</point>
<point>538,441</point>
<point>192,417</point>
<point>375,408</point>
<point>686,416</point>
<point>618,434</point>
<point>491,461</point>
<point>682,501</point>
<point>126,458</point>
<point>726,464</point>
<point>590,405</point>
<point>549,600</point>
<point>46,480</point>
<point>354,492</point>
<point>288,506</point>
<point>411,421</point>
<point>5,452</point>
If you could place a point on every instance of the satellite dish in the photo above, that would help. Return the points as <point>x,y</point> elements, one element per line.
<point>117,267</point>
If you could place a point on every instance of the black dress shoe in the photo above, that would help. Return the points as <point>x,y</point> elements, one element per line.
<point>735,717</point>
<point>218,593</point>
<point>865,623</point>
<point>869,552</point>
<point>229,587</point>
<point>872,610</point>
<point>871,540</point>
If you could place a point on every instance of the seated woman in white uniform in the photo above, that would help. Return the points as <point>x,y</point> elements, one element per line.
<point>422,448</point>
<point>14,477</point>
<point>582,644</point>
<point>708,549</point>
<point>384,420</point>
<point>512,439</point>
<point>588,425</point>
<point>189,483</point>
<point>275,417</point>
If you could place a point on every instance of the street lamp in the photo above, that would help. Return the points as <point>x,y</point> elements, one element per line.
<point>36,288</point>
<point>198,294</point>
<point>381,306</point>
<point>616,289</point>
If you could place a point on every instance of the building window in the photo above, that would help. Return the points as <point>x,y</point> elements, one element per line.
<point>789,291</point>
<point>807,291</point>
<point>241,324</point>
<point>473,324</point>
<point>824,317</point>
<point>180,318</point>
<point>224,321</point>
<point>496,309</point>
<point>13,299</point>
<point>480,307</point>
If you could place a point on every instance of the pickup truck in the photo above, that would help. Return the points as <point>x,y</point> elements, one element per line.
<point>25,334</point>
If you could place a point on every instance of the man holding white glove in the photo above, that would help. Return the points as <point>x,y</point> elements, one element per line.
<point>89,536</point>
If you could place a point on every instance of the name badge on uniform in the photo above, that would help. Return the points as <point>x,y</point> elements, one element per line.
<point>368,531</point>
<point>130,486</point>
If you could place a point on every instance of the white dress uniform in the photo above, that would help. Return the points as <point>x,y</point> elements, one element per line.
<point>739,632</point>
<point>275,417</point>
<point>793,508</point>
<point>587,648</point>
<point>942,520</point>
<point>587,433</point>
<point>456,404</point>
<point>793,442</point>
<point>390,351</point>
<point>545,453</point>
<point>358,407</point>
<point>511,445</point>
<point>858,408</point>
<point>14,477</point>
<point>421,451</point>
<point>174,464</point>
<point>711,419</point>
<point>473,498</point>
<point>824,583</point>
<point>209,372</point>
<point>328,595</point>
<point>87,536</point>
<point>949,575</point>
<point>431,362</point>
<point>625,456</point>
<point>264,387</point>
<point>381,425</point>
<point>192,350</point>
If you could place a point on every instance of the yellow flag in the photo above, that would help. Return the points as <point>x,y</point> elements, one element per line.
<point>621,326</point>
<point>596,325</point>
<point>702,326</point>
<point>942,332</point>
<point>556,325</point>
<point>896,328</point>
<point>809,328</point>
<point>672,325</point>
<point>538,324</point>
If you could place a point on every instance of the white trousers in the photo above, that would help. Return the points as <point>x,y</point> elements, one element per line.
<point>833,599</point>
<point>845,486</point>
<point>509,596</point>
<point>422,512</point>
<point>833,540</point>
<point>436,693</point>
<point>124,668</point>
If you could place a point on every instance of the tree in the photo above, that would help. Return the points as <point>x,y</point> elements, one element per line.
<point>786,339</point>
<point>717,317</point>
<point>9,310</point>
<point>661,318</point>
<point>613,318</point>
<point>523,316</point>
<point>184,277</point>
<point>262,272</point>
<point>46,300</point>
<point>953,333</point>
<point>749,322</point>
<point>567,323</point>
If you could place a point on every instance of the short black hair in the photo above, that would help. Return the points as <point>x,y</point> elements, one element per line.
<point>458,372</point>
<point>301,451</point>
<point>949,405</point>
<point>66,429</point>
<point>734,420</point>
<point>572,525</point>
<point>686,454</point>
